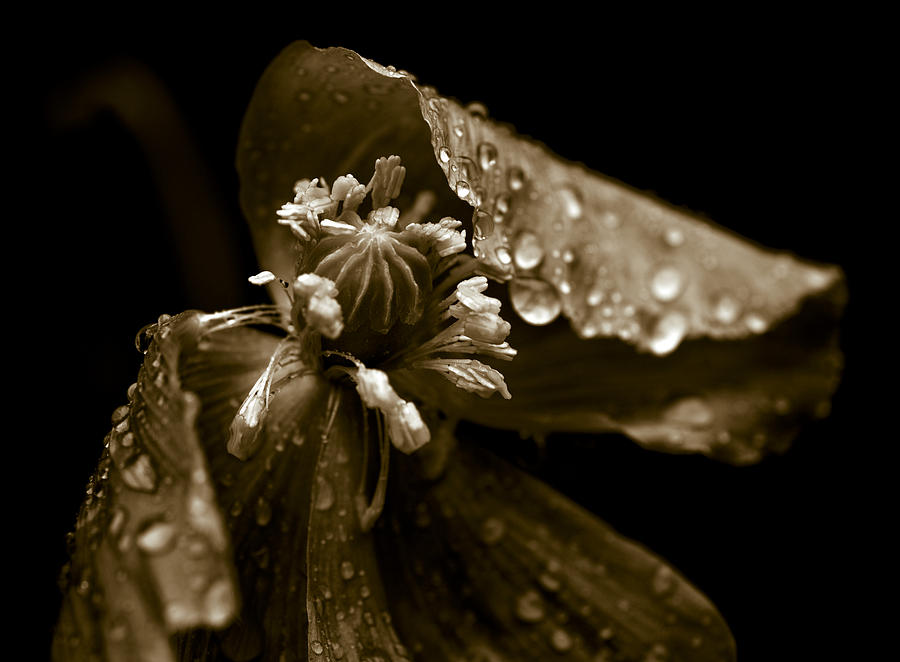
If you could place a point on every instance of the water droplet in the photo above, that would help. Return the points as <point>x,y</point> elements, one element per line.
<point>459,131</point>
<point>444,154</point>
<point>483,224</point>
<point>669,332</point>
<point>595,297</point>
<point>549,582</point>
<point>364,592</point>
<point>755,323</point>
<point>535,301</point>
<point>324,494</point>
<point>117,522</point>
<point>501,206</point>
<point>690,411</point>
<point>487,155</point>
<point>220,603</point>
<point>463,189</point>
<point>503,255</point>
<point>565,287</point>
<point>263,512</point>
<point>139,474</point>
<point>347,570</point>
<point>528,251</point>
<point>530,607</point>
<point>726,309</point>
<point>568,256</point>
<point>157,537</point>
<point>560,640</point>
<point>572,202</point>
<point>663,580</point>
<point>658,653</point>
<point>317,647</point>
<point>667,284</point>
<point>120,414</point>
<point>515,178</point>
<point>611,220</point>
<point>674,237</point>
<point>782,406</point>
<point>492,530</point>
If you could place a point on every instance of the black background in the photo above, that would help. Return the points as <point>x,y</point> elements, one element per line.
<point>749,124</point>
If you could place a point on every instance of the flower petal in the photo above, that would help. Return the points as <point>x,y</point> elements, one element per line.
<point>732,400</point>
<point>620,265</point>
<point>326,113</point>
<point>348,612</point>
<point>151,555</point>
<point>488,563</point>
<point>266,499</point>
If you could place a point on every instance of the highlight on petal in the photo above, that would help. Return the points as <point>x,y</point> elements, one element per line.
<point>636,276</point>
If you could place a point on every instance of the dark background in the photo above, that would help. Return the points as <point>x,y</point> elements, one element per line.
<point>748,124</point>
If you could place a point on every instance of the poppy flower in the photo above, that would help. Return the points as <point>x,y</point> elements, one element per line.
<point>285,481</point>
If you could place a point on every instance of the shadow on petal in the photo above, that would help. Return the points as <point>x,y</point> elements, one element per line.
<point>488,563</point>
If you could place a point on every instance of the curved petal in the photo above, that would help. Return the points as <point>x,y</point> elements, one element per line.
<point>732,400</point>
<point>620,265</point>
<point>266,499</point>
<point>349,614</point>
<point>151,555</point>
<point>490,564</point>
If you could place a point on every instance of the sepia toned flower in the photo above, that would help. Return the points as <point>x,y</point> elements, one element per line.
<point>249,504</point>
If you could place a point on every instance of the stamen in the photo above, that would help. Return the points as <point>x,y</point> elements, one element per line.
<point>369,513</point>
<point>469,375</point>
<point>243,435</point>
<point>386,182</point>
<point>265,314</point>
<point>316,300</point>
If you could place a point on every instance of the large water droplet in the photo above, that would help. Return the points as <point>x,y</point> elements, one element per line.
<point>535,301</point>
<point>530,607</point>
<point>483,224</point>
<point>528,251</point>
<point>667,283</point>
<point>463,189</point>
<point>157,537</point>
<point>444,154</point>
<point>487,155</point>
<point>492,530</point>
<point>317,647</point>
<point>324,494</point>
<point>668,334</point>
<point>726,309</point>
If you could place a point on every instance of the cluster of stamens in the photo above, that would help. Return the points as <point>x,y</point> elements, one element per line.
<point>374,292</point>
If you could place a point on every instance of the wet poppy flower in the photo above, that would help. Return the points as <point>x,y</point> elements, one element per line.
<point>285,481</point>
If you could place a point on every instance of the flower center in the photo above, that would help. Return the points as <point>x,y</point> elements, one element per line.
<point>374,295</point>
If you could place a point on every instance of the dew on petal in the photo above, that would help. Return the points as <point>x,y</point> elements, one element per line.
<point>156,538</point>
<point>515,178</point>
<point>347,570</point>
<point>263,512</point>
<point>530,607</point>
<point>668,334</point>
<point>463,189</point>
<point>667,284</point>
<point>726,309</point>
<point>755,323</point>
<point>572,202</point>
<point>674,237</point>
<point>691,411</point>
<point>487,155</point>
<point>324,494</point>
<point>528,251</point>
<point>492,530</point>
<point>317,647</point>
<point>444,154</point>
<point>483,224</point>
<point>139,474</point>
<point>535,301</point>
<point>560,640</point>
